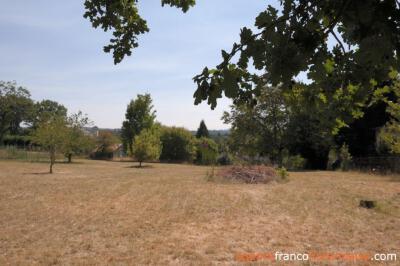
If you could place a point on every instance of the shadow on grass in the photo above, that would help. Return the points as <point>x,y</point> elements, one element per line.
<point>67,163</point>
<point>140,167</point>
<point>38,173</point>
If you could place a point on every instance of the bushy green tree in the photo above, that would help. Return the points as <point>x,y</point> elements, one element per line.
<point>51,135</point>
<point>139,116</point>
<point>202,131</point>
<point>311,125</point>
<point>178,145</point>
<point>147,146</point>
<point>15,108</point>
<point>259,130</point>
<point>45,110</point>
<point>206,151</point>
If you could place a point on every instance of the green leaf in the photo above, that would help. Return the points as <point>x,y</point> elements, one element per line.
<point>329,66</point>
<point>393,73</point>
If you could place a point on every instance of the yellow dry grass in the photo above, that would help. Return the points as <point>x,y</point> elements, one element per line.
<point>109,213</point>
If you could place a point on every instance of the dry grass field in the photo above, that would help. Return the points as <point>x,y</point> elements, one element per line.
<point>108,213</point>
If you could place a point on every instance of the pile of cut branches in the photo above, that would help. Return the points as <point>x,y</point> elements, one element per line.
<point>249,174</point>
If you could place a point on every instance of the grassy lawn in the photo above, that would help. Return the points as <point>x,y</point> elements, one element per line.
<point>95,212</point>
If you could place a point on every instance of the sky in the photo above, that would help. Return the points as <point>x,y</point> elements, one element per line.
<point>49,48</point>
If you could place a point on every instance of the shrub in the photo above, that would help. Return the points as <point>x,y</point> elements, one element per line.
<point>345,157</point>
<point>206,151</point>
<point>295,162</point>
<point>177,145</point>
<point>282,173</point>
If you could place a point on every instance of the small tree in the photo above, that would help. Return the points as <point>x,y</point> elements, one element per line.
<point>139,115</point>
<point>202,131</point>
<point>77,142</point>
<point>206,151</point>
<point>51,135</point>
<point>147,146</point>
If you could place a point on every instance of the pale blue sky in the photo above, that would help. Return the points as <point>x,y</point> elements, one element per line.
<point>48,47</point>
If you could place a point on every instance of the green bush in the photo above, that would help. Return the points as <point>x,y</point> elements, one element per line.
<point>178,145</point>
<point>295,162</point>
<point>282,173</point>
<point>206,151</point>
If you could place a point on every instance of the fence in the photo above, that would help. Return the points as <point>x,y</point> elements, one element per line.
<point>31,154</point>
<point>378,164</point>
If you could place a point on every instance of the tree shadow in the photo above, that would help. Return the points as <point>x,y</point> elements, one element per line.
<point>38,173</point>
<point>69,163</point>
<point>140,167</point>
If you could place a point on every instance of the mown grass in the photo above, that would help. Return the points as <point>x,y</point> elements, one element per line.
<point>110,213</point>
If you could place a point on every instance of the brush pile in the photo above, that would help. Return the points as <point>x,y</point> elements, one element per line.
<point>257,174</point>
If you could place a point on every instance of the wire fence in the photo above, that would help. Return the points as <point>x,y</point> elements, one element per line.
<point>29,154</point>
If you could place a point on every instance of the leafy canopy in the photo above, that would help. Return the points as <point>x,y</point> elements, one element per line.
<point>139,116</point>
<point>178,144</point>
<point>45,110</point>
<point>122,18</point>
<point>295,41</point>
<point>288,41</point>
<point>259,130</point>
<point>147,146</point>
<point>389,135</point>
<point>51,135</point>
<point>15,107</point>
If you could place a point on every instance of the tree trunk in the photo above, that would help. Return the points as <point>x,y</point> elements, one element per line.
<point>140,164</point>
<point>51,166</point>
<point>70,158</point>
<point>52,160</point>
